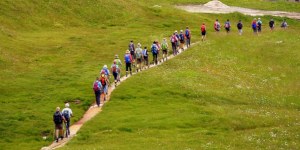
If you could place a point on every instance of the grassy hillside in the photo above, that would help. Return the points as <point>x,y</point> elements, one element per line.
<point>229,92</point>
<point>51,51</point>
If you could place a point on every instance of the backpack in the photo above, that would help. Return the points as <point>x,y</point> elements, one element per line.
<point>66,115</point>
<point>154,49</point>
<point>57,118</point>
<point>253,25</point>
<point>145,53</point>
<point>239,25</point>
<point>227,25</point>
<point>127,58</point>
<point>96,88</point>
<point>173,39</point>
<point>181,37</point>
<point>187,33</point>
<point>131,47</point>
<point>103,80</point>
<point>202,28</point>
<point>138,53</point>
<point>114,68</point>
<point>164,46</point>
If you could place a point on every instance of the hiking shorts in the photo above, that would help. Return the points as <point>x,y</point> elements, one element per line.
<point>115,74</point>
<point>138,60</point>
<point>132,54</point>
<point>227,29</point>
<point>128,66</point>
<point>165,51</point>
<point>58,126</point>
<point>254,29</point>
<point>203,33</point>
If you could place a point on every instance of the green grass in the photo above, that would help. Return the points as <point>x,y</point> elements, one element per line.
<point>51,51</point>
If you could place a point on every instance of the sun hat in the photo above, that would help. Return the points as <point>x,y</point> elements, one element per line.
<point>105,66</point>
<point>67,105</point>
<point>127,51</point>
<point>139,45</point>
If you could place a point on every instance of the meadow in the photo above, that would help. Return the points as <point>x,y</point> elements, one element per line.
<point>229,86</point>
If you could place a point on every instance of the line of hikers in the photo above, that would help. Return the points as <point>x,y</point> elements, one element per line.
<point>138,58</point>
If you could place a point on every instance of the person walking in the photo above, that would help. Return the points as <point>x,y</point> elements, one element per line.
<point>284,24</point>
<point>164,46</point>
<point>178,41</point>
<point>105,69</point>
<point>259,24</point>
<point>154,50</point>
<point>128,61</point>
<point>174,40</point>
<point>227,26</point>
<point>115,70</point>
<point>139,57</point>
<point>58,120</point>
<point>272,24</point>
<point>145,55</point>
<point>119,63</point>
<point>254,26</point>
<point>217,26</point>
<point>104,84</point>
<point>203,31</point>
<point>67,113</point>
<point>187,36</point>
<point>97,90</point>
<point>240,27</point>
<point>181,40</point>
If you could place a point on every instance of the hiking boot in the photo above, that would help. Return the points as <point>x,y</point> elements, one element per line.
<point>56,140</point>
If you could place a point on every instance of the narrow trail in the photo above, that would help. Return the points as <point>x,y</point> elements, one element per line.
<point>94,110</point>
<point>217,7</point>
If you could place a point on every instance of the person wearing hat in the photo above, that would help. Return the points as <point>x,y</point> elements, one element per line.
<point>174,40</point>
<point>178,41</point>
<point>203,31</point>
<point>164,46</point>
<point>119,63</point>
<point>254,26</point>
<point>188,37</point>
<point>259,24</point>
<point>128,61</point>
<point>181,40</point>
<point>139,57</point>
<point>115,71</point>
<point>67,113</point>
<point>58,120</point>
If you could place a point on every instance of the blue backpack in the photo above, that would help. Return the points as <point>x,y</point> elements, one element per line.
<point>187,33</point>
<point>66,115</point>
<point>154,49</point>
<point>253,25</point>
<point>127,58</point>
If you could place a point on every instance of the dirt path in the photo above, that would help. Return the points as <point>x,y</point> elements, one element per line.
<point>90,113</point>
<point>218,7</point>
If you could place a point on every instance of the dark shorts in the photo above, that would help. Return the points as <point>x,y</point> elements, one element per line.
<point>138,60</point>
<point>115,74</point>
<point>254,29</point>
<point>132,54</point>
<point>203,33</point>
<point>165,51</point>
<point>58,126</point>
<point>227,29</point>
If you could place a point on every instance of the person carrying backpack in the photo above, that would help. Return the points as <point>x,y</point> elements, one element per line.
<point>227,26</point>
<point>217,25</point>
<point>272,24</point>
<point>115,71</point>
<point>259,24</point>
<point>164,47</point>
<point>139,57</point>
<point>119,63</point>
<point>105,69</point>
<point>67,113</point>
<point>58,120</point>
<point>188,37</point>
<point>203,31</point>
<point>97,90</point>
<point>154,50</point>
<point>254,26</point>
<point>128,61</point>
<point>181,40</point>
<point>104,84</point>
<point>145,55</point>
<point>240,27</point>
<point>284,24</point>
<point>174,40</point>
<point>178,41</point>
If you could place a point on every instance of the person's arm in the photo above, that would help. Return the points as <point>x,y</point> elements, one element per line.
<point>71,113</point>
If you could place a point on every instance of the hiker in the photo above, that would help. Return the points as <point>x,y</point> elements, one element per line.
<point>181,40</point>
<point>158,48</point>
<point>128,61</point>
<point>139,57</point>
<point>154,50</point>
<point>259,24</point>
<point>97,89</point>
<point>254,26</point>
<point>227,26</point>
<point>104,84</point>
<point>284,24</point>
<point>217,25</point>
<point>67,113</point>
<point>272,24</point>
<point>145,55</point>
<point>164,47</point>
<point>131,48</point>
<point>105,69</point>
<point>188,36</point>
<point>240,27</point>
<point>177,42</point>
<point>174,40</point>
<point>203,31</point>
<point>115,71</point>
<point>119,63</point>
<point>58,120</point>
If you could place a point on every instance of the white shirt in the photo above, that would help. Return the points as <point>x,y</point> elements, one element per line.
<point>69,111</point>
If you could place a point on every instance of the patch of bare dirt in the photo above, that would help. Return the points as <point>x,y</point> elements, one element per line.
<point>217,7</point>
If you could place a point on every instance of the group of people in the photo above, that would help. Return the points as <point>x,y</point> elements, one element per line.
<point>256,26</point>
<point>61,118</point>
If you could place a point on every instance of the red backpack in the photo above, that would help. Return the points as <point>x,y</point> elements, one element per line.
<point>96,88</point>
<point>114,68</point>
<point>103,80</point>
<point>203,28</point>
